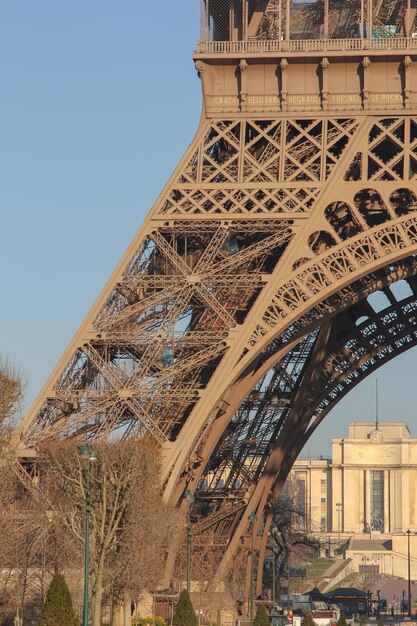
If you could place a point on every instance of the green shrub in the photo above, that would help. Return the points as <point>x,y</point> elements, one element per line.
<point>363,621</point>
<point>184,614</point>
<point>261,617</point>
<point>342,620</point>
<point>57,608</point>
<point>308,619</point>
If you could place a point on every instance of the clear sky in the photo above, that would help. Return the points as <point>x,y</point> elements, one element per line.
<point>99,100</point>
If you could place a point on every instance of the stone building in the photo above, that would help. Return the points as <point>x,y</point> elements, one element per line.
<point>365,496</point>
<point>369,484</point>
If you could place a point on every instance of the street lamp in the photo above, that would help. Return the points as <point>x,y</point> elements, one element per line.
<point>339,510</point>
<point>87,454</point>
<point>188,496</point>
<point>252,519</point>
<point>274,584</point>
<point>409,571</point>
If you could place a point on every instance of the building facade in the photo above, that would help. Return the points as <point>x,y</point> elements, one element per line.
<point>368,485</point>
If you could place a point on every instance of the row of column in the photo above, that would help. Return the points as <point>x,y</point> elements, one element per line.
<point>352,488</point>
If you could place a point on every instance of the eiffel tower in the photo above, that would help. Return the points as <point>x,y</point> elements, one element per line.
<point>243,310</point>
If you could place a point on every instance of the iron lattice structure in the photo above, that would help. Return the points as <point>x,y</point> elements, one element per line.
<point>243,310</point>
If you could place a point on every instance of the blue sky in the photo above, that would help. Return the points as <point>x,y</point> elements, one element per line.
<point>99,100</point>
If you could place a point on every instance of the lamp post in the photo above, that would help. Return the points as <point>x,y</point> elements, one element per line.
<point>409,571</point>
<point>274,564</point>
<point>369,602</point>
<point>272,534</point>
<point>252,519</point>
<point>90,456</point>
<point>188,496</point>
<point>288,587</point>
<point>339,510</point>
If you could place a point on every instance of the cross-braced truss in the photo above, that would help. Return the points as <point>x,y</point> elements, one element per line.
<point>240,314</point>
<point>145,357</point>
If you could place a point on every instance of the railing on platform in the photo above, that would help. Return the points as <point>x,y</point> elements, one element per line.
<point>307,45</point>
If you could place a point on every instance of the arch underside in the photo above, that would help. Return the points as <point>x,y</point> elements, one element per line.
<point>227,332</point>
<point>287,405</point>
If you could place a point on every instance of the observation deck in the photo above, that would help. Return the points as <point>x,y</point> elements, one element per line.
<point>317,55</point>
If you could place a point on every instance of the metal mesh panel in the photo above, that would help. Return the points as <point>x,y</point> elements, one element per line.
<point>345,19</point>
<point>411,18</point>
<point>202,20</point>
<point>388,18</point>
<point>276,20</point>
<point>237,19</point>
<point>307,20</point>
<point>219,20</point>
<point>272,25</point>
<point>223,20</point>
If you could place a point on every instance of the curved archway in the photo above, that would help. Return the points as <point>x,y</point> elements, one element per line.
<point>305,298</point>
<point>349,359</point>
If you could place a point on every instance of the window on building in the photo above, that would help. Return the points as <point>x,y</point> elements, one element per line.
<point>323,486</point>
<point>323,525</point>
<point>377,499</point>
<point>300,500</point>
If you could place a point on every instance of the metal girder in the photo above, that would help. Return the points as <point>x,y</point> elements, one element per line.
<point>339,359</point>
<point>217,336</point>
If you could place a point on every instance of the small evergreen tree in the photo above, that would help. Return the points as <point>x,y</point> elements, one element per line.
<point>57,609</point>
<point>308,619</point>
<point>261,617</point>
<point>184,612</point>
<point>342,620</point>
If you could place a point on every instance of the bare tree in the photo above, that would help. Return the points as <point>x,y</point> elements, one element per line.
<point>148,531</point>
<point>130,526</point>
<point>207,552</point>
<point>24,529</point>
<point>12,387</point>
<point>16,523</point>
<point>42,527</point>
<point>291,539</point>
<point>236,582</point>
<point>366,579</point>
